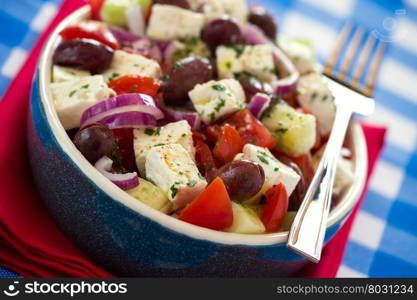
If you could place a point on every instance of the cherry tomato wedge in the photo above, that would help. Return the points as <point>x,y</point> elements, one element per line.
<point>212,209</point>
<point>91,30</point>
<point>275,208</point>
<point>96,6</point>
<point>229,144</point>
<point>204,157</point>
<point>135,84</point>
<point>251,129</point>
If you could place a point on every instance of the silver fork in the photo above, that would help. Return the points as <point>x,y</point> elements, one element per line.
<point>309,227</point>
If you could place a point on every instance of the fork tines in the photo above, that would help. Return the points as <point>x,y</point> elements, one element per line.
<point>366,58</point>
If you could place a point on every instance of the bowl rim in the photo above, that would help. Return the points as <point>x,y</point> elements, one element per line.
<point>337,215</point>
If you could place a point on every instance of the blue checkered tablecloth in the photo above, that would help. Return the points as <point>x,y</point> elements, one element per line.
<point>383,241</point>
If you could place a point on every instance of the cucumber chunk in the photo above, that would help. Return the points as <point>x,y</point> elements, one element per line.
<point>113,11</point>
<point>245,220</point>
<point>294,131</point>
<point>151,195</point>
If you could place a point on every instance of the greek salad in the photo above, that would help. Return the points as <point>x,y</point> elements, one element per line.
<point>197,108</point>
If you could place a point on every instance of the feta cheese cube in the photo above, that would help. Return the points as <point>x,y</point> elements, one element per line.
<point>216,99</point>
<point>314,94</point>
<point>171,22</point>
<point>257,60</point>
<point>344,172</point>
<point>236,9</point>
<point>72,97</point>
<point>61,74</point>
<point>171,168</point>
<point>144,139</point>
<point>275,171</point>
<point>301,54</point>
<point>125,63</point>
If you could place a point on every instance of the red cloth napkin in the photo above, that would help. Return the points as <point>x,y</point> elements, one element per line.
<point>30,242</point>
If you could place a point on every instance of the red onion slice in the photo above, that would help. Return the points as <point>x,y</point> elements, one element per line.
<point>288,73</point>
<point>253,35</point>
<point>258,104</point>
<point>175,115</point>
<point>130,119</point>
<point>139,44</point>
<point>120,104</point>
<point>124,181</point>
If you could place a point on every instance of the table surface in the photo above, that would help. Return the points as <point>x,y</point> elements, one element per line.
<point>383,241</point>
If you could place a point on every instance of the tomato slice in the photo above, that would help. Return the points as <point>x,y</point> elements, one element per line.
<point>124,138</point>
<point>135,84</point>
<point>229,144</point>
<point>251,129</point>
<point>91,30</point>
<point>275,208</point>
<point>203,156</point>
<point>212,209</point>
<point>96,6</point>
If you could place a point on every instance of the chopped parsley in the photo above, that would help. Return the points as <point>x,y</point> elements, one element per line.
<point>190,42</point>
<point>165,78</point>
<point>219,105</point>
<point>115,155</point>
<point>157,145</point>
<point>290,116</point>
<point>275,70</point>
<point>276,169</point>
<point>282,130</point>
<point>72,93</point>
<point>271,194</point>
<point>218,87</point>
<point>212,116</point>
<point>208,167</point>
<point>174,189</point>
<point>149,131</point>
<point>228,65</point>
<point>314,96</point>
<point>136,65</point>
<point>184,135</point>
<point>85,86</point>
<point>324,98</point>
<point>239,49</point>
<point>263,159</point>
<point>113,76</point>
<point>252,141</point>
<point>178,66</point>
<point>192,183</point>
<point>134,88</point>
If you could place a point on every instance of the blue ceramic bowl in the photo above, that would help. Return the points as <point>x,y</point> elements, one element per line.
<point>129,238</point>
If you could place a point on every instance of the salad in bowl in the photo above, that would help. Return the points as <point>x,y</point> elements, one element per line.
<point>197,108</point>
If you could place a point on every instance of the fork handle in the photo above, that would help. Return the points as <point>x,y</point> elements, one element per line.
<point>309,227</point>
